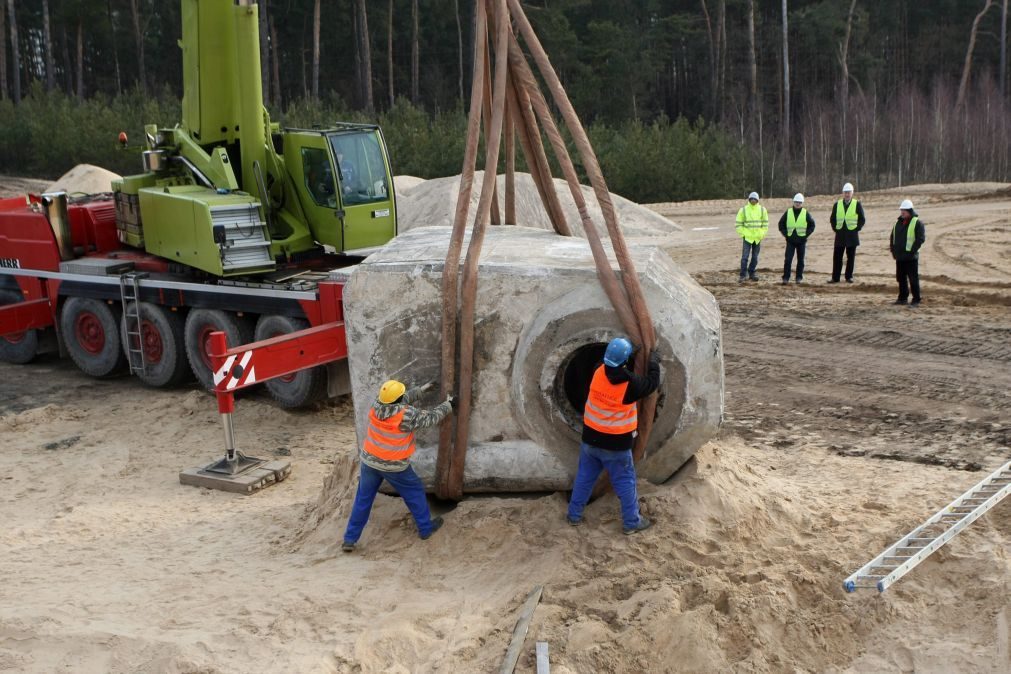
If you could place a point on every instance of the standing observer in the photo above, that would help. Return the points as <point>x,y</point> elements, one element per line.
<point>796,226</point>
<point>752,226</point>
<point>610,425</point>
<point>908,235</point>
<point>847,219</point>
<point>386,455</point>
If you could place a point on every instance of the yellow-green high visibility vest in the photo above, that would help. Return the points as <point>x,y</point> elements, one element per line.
<point>752,222</point>
<point>910,233</point>
<point>846,216</point>
<point>796,224</point>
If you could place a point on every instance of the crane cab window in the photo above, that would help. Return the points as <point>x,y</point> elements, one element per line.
<point>361,168</point>
<point>319,180</point>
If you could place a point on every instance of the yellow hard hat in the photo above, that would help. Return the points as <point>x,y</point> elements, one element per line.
<point>390,391</point>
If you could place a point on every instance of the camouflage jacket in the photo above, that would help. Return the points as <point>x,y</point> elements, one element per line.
<point>414,419</point>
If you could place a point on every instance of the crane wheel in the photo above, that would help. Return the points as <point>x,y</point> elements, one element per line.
<point>22,347</point>
<point>295,390</point>
<point>200,323</point>
<point>90,330</point>
<point>163,344</point>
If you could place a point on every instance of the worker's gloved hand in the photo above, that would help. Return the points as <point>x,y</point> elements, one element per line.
<point>654,356</point>
<point>452,402</point>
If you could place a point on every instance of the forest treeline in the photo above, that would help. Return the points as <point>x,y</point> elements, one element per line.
<point>684,99</point>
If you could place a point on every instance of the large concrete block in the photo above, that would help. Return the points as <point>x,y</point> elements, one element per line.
<point>542,324</point>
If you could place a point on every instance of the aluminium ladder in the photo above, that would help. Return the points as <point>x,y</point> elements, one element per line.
<point>921,542</point>
<point>129,292</point>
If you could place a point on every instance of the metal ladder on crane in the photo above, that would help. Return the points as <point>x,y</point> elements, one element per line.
<point>129,293</point>
<point>924,540</point>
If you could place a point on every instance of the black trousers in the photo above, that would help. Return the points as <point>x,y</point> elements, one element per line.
<point>851,258</point>
<point>794,247</point>
<point>907,273</point>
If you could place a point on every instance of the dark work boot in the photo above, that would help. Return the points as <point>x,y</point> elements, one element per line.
<point>436,525</point>
<point>641,526</point>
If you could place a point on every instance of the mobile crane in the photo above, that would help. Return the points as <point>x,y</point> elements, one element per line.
<point>234,226</point>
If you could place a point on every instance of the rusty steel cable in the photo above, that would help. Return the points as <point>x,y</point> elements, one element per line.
<point>451,268</point>
<point>514,101</point>
<point>468,290</point>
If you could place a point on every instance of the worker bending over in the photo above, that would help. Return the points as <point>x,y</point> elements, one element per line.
<point>386,455</point>
<point>609,428</point>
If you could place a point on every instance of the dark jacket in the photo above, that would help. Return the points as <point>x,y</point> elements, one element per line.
<point>897,240</point>
<point>795,237</point>
<point>638,388</point>
<point>846,238</point>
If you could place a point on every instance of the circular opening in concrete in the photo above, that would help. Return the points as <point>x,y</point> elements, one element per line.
<point>573,381</point>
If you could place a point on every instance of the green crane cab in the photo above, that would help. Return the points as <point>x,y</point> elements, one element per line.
<point>229,193</point>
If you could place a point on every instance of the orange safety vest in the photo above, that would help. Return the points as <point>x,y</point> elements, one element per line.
<point>605,411</point>
<point>384,439</point>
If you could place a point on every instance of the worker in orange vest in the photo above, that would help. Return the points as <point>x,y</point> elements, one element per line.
<point>386,455</point>
<point>610,425</point>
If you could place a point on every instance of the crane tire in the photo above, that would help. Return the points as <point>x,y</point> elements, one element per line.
<point>90,330</point>
<point>200,323</point>
<point>303,388</point>
<point>22,347</point>
<point>165,362</point>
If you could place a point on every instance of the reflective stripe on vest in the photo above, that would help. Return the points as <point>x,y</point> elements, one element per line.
<point>796,224</point>
<point>384,439</point>
<point>605,411</point>
<point>755,217</point>
<point>846,216</point>
<point>910,233</point>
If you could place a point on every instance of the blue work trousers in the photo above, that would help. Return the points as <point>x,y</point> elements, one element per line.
<point>408,485</point>
<point>749,250</point>
<point>621,471</point>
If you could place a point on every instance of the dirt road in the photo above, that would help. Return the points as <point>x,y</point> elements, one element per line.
<point>848,422</point>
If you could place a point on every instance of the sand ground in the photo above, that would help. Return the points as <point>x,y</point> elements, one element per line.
<point>848,422</point>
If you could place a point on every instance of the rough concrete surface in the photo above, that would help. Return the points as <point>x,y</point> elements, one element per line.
<point>542,323</point>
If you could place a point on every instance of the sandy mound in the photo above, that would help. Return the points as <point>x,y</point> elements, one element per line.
<point>84,179</point>
<point>434,203</point>
<point>404,185</point>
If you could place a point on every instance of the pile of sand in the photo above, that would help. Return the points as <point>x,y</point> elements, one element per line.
<point>84,179</point>
<point>433,203</point>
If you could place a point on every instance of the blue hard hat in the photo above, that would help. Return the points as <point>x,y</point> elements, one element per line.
<point>618,351</point>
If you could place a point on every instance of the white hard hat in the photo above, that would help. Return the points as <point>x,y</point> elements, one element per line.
<point>848,187</point>
<point>798,198</point>
<point>753,195</point>
<point>906,205</point>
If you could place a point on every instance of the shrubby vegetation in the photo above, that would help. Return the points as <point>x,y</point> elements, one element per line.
<point>48,133</point>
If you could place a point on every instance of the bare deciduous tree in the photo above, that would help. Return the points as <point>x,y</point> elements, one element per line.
<point>844,85</point>
<point>47,40</point>
<point>80,57</point>
<point>3,53</point>
<point>138,36</point>
<point>415,66</point>
<point>264,51</point>
<point>1003,50</point>
<point>15,52</point>
<point>362,23</point>
<point>275,61</point>
<point>389,53</point>
<point>786,83</point>
<point>115,47</point>
<point>967,66</point>
<point>459,47</point>
<point>315,50</point>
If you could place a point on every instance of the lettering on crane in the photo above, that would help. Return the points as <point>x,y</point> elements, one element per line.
<point>10,263</point>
